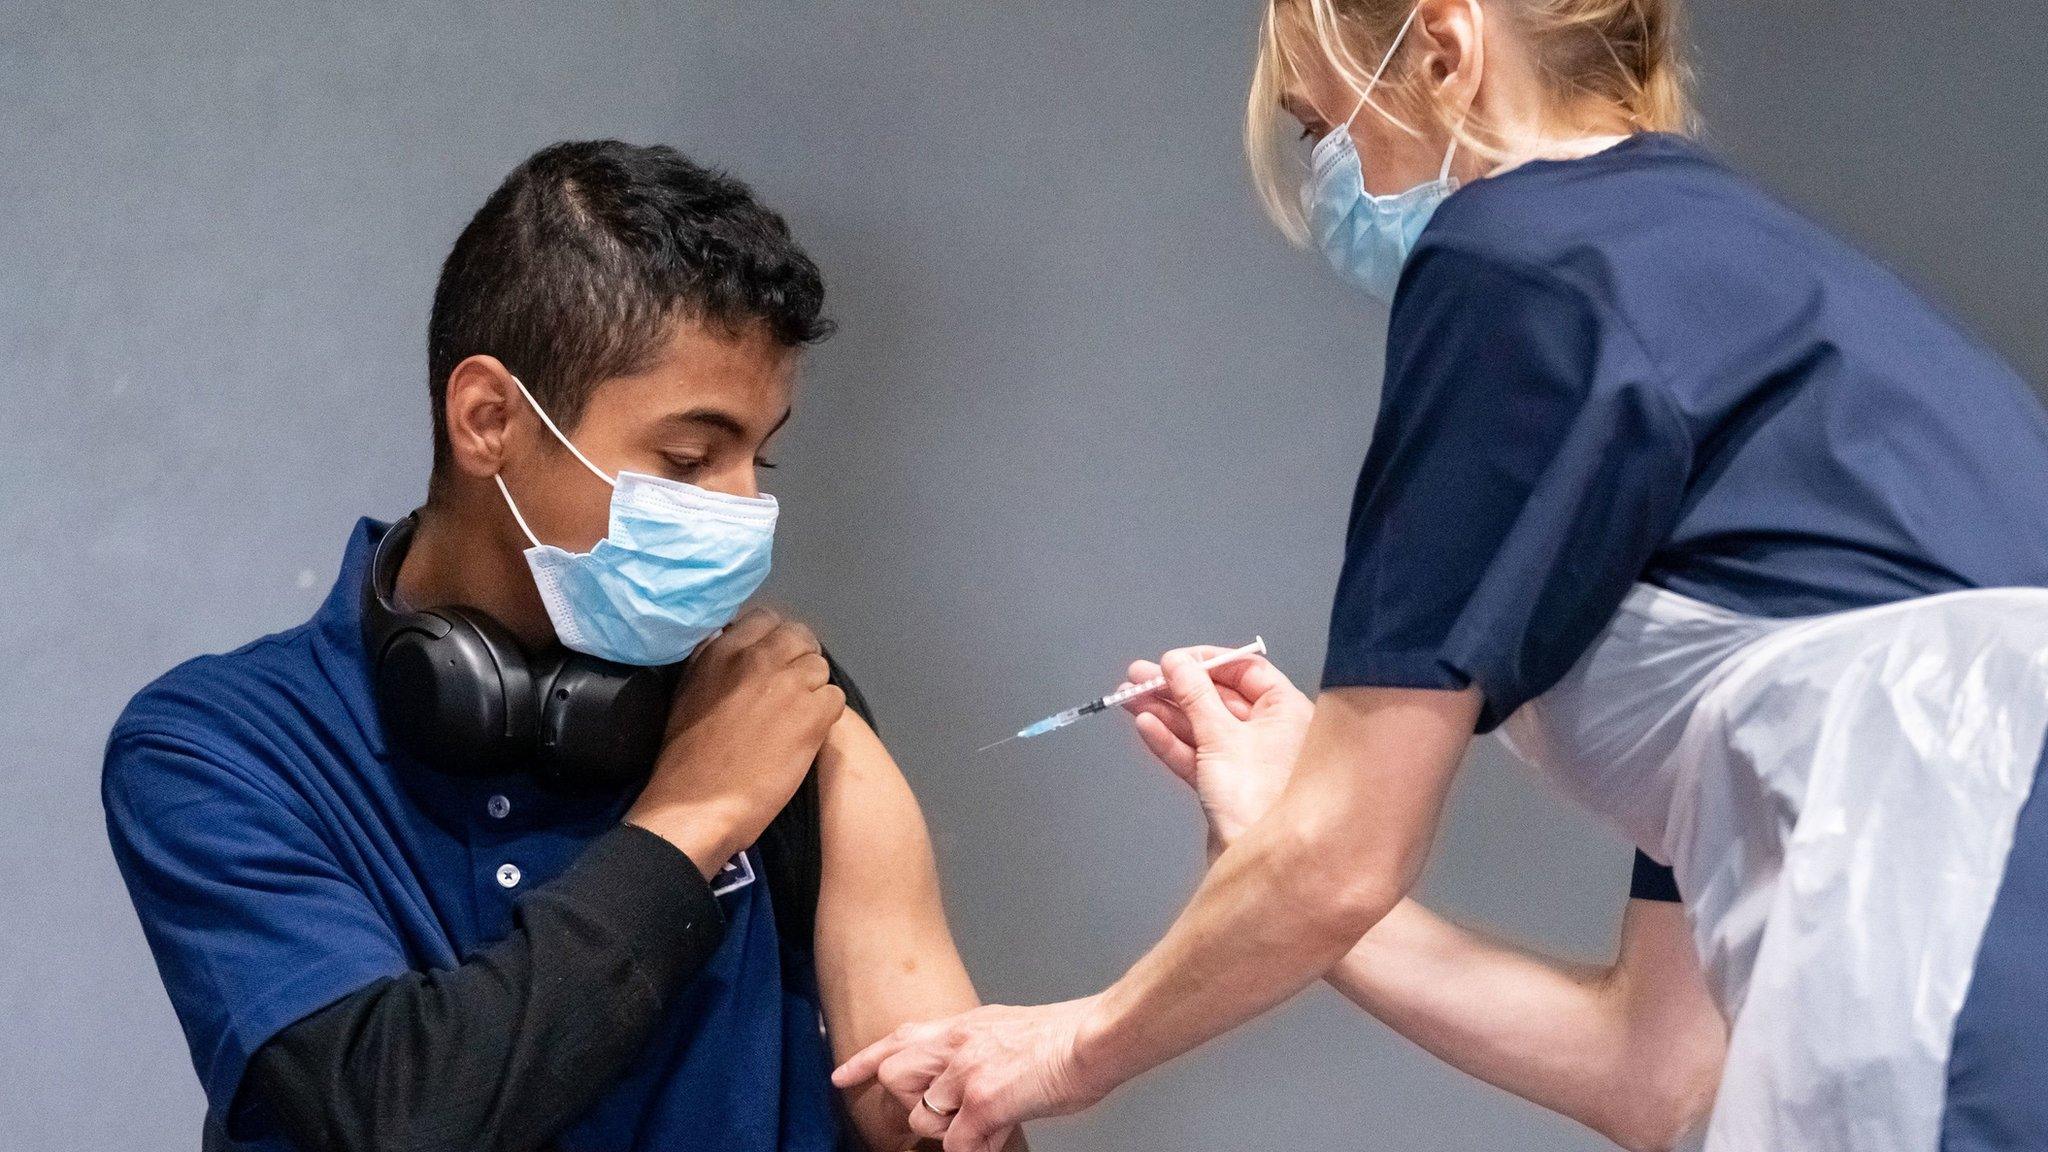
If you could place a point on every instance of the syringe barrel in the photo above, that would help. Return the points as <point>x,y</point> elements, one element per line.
<point>1133,692</point>
<point>1256,648</point>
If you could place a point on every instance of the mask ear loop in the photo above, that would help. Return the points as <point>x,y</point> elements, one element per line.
<point>545,419</point>
<point>1365,94</point>
<point>566,443</point>
<point>514,506</point>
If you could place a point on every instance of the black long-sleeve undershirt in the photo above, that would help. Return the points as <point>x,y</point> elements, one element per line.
<point>503,1052</point>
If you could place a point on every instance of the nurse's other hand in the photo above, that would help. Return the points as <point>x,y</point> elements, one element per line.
<point>971,1079</point>
<point>1231,732</point>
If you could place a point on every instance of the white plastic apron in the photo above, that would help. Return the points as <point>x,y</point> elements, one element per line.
<point>1837,796</point>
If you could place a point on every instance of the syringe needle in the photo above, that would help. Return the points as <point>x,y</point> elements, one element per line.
<point>997,744</point>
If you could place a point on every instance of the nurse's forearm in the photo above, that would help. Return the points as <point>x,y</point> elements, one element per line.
<point>1338,849</point>
<point>1260,929</point>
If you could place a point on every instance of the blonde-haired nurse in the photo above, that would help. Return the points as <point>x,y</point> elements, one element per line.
<point>1736,539</point>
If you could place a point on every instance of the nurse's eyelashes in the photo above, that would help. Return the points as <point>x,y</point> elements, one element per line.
<point>1312,125</point>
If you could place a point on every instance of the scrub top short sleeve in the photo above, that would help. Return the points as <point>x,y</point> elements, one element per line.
<point>253,923</point>
<point>1524,467</point>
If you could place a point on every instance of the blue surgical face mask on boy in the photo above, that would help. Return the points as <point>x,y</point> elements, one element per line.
<point>675,566</point>
<point>1367,238</point>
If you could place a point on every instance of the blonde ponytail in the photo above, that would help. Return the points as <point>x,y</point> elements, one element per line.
<point>1625,53</point>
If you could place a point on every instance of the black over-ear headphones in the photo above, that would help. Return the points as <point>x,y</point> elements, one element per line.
<point>457,691</point>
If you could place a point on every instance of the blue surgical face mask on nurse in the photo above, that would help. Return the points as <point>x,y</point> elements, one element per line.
<point>675,564</point>
<point>1367,238</point>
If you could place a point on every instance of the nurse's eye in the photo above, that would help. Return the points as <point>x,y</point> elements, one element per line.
<point>1307,133</point>
<point>763,462</point>
<point>684,466</point>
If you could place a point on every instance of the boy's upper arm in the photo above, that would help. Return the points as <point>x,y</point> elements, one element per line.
<point>885,954</point>
<point>252,921</point>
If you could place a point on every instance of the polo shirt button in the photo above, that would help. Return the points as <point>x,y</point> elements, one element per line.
<point>499,807</point>
<point>508,875</point>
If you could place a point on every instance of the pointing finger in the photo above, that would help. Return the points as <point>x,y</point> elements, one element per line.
<point>863,1065</point>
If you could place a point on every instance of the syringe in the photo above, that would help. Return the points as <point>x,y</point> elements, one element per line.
<point>1059,720</point>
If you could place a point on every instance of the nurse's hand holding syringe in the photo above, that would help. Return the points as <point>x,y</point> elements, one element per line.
<point>1129,692</point>
<point>1252,728</point>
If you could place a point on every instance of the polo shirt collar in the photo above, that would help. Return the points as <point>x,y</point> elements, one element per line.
<point>345,659</point>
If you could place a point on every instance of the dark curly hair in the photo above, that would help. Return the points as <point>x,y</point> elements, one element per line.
<point>577,267</point>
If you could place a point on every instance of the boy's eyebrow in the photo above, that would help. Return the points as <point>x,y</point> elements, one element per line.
<point>723,421</point>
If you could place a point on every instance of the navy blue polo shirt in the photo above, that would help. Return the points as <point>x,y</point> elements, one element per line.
<point>282,856</point>
<point>1637,366</point>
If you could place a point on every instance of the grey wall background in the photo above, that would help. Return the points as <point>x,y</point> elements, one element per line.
<point>1085,406</point>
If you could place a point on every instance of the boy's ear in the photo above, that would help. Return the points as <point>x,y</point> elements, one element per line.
<point>481,402</point>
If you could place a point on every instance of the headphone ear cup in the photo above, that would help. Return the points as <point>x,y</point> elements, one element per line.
<point>454,689</point>
<point>601,723</point>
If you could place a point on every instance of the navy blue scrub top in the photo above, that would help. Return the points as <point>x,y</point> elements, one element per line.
<point>282,856</point>
<point>1636,366</point>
